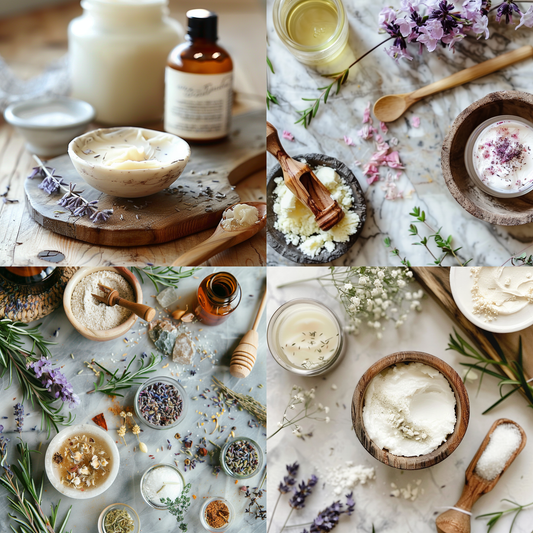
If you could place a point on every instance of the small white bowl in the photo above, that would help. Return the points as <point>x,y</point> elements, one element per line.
<point>128,183</point>
<point>461,283</point>
<point>49,124</point>
<point>55,445</point>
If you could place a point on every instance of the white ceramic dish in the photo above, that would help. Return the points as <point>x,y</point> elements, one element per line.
<point>128,183</point>
<point>49,124</point>
<point>54,446</point>
<point>461,284</point>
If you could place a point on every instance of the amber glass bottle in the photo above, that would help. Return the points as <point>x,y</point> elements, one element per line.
<point>199,83</point>
<point>218,296</point>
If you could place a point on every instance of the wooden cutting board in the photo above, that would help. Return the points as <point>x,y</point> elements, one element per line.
<point>436,282</point>
<point>193,203</point>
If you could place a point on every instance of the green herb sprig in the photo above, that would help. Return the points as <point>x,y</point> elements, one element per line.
<point>26,497</point>
<point>125,380</point>
<point>394,251</point>
<point>164,276</point>
<point>14,360</point>
<point>179,506</point>
<point>494,517</point>
<point>482,364</point>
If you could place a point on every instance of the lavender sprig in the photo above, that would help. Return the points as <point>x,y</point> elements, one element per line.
<point>72,199</point>
<point>285,486</point>
<point>18,411</point>
<point>304,490</point>
<point>329,517</point>
<point>55,382</point>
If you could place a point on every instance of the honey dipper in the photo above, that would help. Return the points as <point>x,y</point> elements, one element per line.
<point>302,182</point>
<point>455,521</point>
<point>243,358</point>
<point>111,298</point>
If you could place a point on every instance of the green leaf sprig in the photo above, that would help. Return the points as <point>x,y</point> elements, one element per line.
<point>270,98</point>
<point>494,517</point>
<point>179,506</point>
<point>164,276</point>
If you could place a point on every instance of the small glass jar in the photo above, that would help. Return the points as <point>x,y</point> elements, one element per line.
<point>231,518</point>
<point>118,53</point>
<point>320,356</point>
<point>127,508</point>
<point>471,148</point>
<point>167,381</point>
<point>224,460</point>
<point>159,507</point>
<point>218,296</point>
<point>316,55</point>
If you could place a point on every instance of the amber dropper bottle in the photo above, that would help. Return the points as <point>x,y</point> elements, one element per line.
<point>199,83</point>
<point>219,294</point>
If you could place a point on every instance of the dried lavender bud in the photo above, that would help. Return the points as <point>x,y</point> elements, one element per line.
<point>18,409</point>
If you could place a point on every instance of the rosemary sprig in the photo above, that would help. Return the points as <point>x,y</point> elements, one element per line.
<point>125,380</point>
<point>165,276</point>
<point>515,369</point>
<point>26,498</point>
<point>14,360</point>
<point>271,99</point>
<point>494,517</point>
<point>255,408</point>
<point>269,63</point>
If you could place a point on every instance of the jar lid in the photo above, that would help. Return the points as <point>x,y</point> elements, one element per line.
<point>202,24</point>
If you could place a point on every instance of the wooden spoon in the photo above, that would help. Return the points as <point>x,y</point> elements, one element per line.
<point>302,182</point>
<point>111,298</point>
<point>223,239</point>
<point>244,356</point>
<point>392,107</point>
<point>453,521</point>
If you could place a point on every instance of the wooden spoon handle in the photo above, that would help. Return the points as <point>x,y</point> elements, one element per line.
<point>453,521</point>
<point>144,311</point>
<point>473,73</point>
<point>273,143</point>
<point>200,253</point>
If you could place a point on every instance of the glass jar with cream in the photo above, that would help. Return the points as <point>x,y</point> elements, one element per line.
<point>118,52</point>
<point>499,156</point>
<point>305,337</point>
<point>314,31</point>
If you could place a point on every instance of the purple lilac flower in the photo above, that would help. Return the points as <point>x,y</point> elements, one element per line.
<point>289,480</point>
<point>55,382</point>
<point>506,9</point>
<point>444,14</point>
<point>329,517</point>
<point>304,490</point>
<point>526,19</point>
<point>18,410</point>
<point>430,34</point>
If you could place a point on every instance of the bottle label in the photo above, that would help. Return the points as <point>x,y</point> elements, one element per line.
<point>198,106</point>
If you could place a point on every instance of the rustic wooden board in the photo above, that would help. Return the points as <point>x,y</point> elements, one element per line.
<point>182,209</point>
<point>436,282</point>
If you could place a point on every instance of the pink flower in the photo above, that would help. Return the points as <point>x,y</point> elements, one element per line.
<point>348,141</point>
<point>378,138</point>
<point>366,132</point>
<point>526,19</point>
<point>415,122</point>
<point>366,114</point>
<point>370,169</point>
<point>384,127</point>
<point>373,178</point>
<point>393,160</point>
<point>430,34</point>
<point>288,135</point>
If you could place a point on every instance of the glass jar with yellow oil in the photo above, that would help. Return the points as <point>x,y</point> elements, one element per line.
<point>314,31</point>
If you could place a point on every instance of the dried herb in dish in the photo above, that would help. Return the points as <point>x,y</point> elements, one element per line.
<point>118,521</point>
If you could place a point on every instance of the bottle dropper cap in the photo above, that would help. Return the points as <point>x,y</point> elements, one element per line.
<point>202,24</point>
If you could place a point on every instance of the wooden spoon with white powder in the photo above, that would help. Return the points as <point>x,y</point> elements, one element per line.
<point>502,444</point>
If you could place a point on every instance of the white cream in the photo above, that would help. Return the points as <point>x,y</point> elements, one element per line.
<point>503,156</point>
<point>130,149</point>
<point>409,409</point>
<point>307,335</point>
<point>240,216</point>
<point>501,290</point>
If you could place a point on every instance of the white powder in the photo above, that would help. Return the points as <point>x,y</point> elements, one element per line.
<point>409,409</point>
<point>298,224</point>
<point>411,492</point>
<point>162,482</point>
<point>345,478</point>
<point>98,316</point>
<point>240,216</point>
<point>503,442</point>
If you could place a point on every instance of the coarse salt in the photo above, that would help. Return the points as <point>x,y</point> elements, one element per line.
<point>410,492</point>
<point>345,477</point>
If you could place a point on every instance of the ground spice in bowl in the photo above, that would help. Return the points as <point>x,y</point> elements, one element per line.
<point>217,514</point>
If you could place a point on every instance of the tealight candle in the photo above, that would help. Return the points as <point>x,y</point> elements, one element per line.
<point>499,156</point>
<point>305,337</point>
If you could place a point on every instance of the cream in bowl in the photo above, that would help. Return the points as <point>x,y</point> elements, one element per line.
<point>129,162</point>
<point>499,156</point>
<point>82,461</point>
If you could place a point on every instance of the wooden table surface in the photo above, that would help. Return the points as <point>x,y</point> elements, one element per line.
<point>29,42</point>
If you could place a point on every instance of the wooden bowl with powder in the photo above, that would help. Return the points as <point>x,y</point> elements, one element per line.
<point>87,316</point>
<point>452,440</point>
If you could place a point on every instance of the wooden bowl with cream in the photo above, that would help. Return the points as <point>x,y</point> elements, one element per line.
<point>452,440</point>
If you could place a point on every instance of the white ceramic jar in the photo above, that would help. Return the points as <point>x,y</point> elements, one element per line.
<point>118,52</point>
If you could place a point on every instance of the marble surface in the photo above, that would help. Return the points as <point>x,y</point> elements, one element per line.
<point>224,338</point>
<point>422,181</point>
<point>335,443</point>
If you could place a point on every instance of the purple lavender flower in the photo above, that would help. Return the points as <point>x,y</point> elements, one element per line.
<point>289,480</point>
<point>18,410</point>
<point>506,9</point>
<point>304,490</point>
<point>329,517</point>
<point>101,216</point>
<point>51,184</point>
<point>55,382</point>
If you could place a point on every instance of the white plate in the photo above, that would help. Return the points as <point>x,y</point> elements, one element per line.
<point>461,284</point>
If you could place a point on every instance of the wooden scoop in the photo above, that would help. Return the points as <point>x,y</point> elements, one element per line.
<point>301,181</point>
<point>111,298</point>
<point>243,358</point>
<point>391,107</point>
<point>453,521</point>
<point>223,238</point>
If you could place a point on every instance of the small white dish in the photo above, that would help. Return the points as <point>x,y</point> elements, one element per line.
<point>49,124</point>
<point>461,283</point>
<point>54,446</point>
